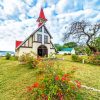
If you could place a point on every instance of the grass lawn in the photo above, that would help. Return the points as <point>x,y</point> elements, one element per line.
<point>14,78</point>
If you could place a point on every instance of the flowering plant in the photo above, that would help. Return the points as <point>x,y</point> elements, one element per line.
<point>55,85</point>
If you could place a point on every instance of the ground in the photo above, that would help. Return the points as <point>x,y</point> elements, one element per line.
<point>14,78</point>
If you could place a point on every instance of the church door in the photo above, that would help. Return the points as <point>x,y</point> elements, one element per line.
<point>42,51</point>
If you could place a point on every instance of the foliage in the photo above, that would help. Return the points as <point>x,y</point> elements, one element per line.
<point>26,58</point>
<point>15,78</point>
<point>51,55</point>
<point>58,47</point>
<point>88,51</point>
<point>83,30</point>
<point>92,59</point>
<point>96,43</point>
<point>70,45</point>
<point>76,58</point>
<point>8,56</point>
<point>95,59</point>
<point>55,85</point>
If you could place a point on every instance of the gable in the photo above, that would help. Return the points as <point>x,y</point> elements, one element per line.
<point>25,43</point>
<point>28,42</point>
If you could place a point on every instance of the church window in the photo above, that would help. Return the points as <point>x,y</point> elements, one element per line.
<point>45,39</point>
<point>39,37</point>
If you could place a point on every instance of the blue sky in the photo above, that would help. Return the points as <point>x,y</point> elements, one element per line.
<point>18,17</point>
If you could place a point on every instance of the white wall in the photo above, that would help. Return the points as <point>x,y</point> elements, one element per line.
<point>73,51</point>
<point>35,44</point>
<point>22,50</point>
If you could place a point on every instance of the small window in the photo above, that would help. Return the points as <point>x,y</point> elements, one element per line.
<point>39,37</point>
<point>40,30</point>
<point>45,39</point>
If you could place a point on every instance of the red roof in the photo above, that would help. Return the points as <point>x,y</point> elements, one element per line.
<point>42,16</point>
<point>18,43</point>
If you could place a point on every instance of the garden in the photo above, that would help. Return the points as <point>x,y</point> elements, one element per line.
<point>61,78</point>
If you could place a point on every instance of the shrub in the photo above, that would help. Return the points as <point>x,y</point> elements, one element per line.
<point>26,59</point>
<point>77,58</point>
<point>8,56</point>
<point>55,85</point>
<point>95,59</point>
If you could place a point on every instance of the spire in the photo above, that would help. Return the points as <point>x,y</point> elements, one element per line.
<point>41,19</point>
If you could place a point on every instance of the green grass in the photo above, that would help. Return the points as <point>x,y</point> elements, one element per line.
<point>14,78</point>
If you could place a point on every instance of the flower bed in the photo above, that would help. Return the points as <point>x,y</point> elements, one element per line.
<point>54,84</point>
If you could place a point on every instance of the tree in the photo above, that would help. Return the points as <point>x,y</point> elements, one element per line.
<point>96,43</point>
<point>70,45</point>
<point>84,30</point>
<point>58,47</point>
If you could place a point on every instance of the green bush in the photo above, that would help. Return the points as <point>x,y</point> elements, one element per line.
<point>77,58</point>
<point>54,84</point>
<point>95,59</point>
<point>26,58</point>
<point>8,56</point>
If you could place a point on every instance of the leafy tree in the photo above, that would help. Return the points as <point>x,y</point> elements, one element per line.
<point>58,47</point>
<point>84,30</point>
<point>96,43</point>
<point>70,45</point>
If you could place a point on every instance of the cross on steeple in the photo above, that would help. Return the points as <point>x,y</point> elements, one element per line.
<point>41,19</point>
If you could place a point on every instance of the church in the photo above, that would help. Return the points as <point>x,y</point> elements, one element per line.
<point>38,42</point>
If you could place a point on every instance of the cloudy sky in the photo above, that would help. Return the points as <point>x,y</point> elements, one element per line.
<point>18,17</point>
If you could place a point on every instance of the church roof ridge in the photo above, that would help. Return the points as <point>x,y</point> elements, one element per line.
<point>33,34</point>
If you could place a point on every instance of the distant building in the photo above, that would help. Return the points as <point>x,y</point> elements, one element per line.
<point>38,42</point>
<point>3,53</point>
<point>67,51</point>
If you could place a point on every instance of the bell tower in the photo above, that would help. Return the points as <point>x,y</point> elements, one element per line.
<point>41,19</point>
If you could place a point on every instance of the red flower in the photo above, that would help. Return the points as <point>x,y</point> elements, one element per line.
<point>60,95</point>
<point>63,78</point>
<point>78,84</point>
<point>29,88</point>
<point>35,85</point>
<point>57,78</point>
<point>66,75</point>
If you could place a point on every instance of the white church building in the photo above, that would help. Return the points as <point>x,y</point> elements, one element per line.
<point>38,42</point>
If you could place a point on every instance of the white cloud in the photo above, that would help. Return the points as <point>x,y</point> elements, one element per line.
<point>67,10</point>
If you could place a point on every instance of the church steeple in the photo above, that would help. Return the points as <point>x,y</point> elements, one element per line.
<point>41,19</point>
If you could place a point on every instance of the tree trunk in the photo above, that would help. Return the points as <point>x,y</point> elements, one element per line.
<point>93,49</point>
